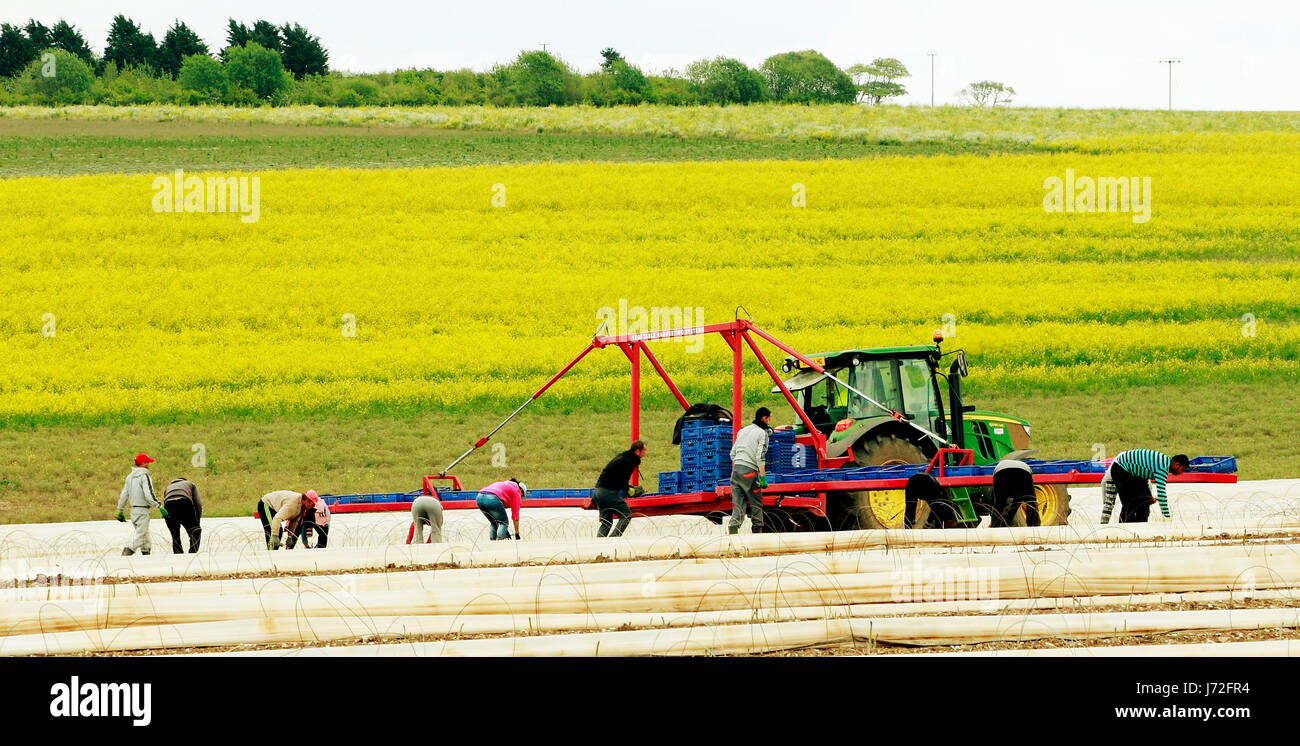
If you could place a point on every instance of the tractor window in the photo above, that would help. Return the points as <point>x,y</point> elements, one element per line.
<point>877,379</point>
<point>826,401</point>
<point>918,394</point>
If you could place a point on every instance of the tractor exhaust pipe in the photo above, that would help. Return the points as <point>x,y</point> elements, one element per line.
<point>955,373</point>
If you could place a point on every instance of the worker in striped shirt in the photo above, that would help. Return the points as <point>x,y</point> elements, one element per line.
<point>1128,477</point>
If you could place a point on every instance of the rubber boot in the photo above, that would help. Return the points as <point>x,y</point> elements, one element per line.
<point>756,528</point>
<point>144,551</point>
<point>127,551</point>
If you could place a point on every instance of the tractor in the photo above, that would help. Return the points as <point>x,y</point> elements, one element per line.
<point>907,380</point>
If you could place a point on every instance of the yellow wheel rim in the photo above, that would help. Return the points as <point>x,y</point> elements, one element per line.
<point>888,506</point>
<point>1049,504</point>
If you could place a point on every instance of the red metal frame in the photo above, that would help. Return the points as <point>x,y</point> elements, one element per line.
<point>428,482</point>
<point>806,495</point>
<point>736,335</point>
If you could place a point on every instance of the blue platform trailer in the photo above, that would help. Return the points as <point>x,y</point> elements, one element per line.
<point>817,478</point>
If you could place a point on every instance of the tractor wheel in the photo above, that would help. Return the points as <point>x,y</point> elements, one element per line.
<point>1053,506</point>
<point>884,508</point>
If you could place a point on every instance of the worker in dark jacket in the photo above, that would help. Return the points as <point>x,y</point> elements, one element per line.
<point>616,477</point>
<point>184,510</point>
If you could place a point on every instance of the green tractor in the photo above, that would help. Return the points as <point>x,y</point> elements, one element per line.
<point>907,379</point>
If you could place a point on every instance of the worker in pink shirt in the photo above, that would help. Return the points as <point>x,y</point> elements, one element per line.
<point>493,501</point>
<point>315,519</point>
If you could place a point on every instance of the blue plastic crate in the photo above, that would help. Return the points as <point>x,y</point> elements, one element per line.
<point>669,481</point>
<point>1214,464</point>
<point>690,461</point>
<point>714,459</point>
<point>576,493</point>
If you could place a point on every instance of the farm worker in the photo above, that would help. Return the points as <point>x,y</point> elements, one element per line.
<point>616,477</point>
<point>316,518</point>
<point>426,511</point>
<point>282,510</point>
<point>493,501</point>
<point>138,493</point>
<point>184,510</point>
<point>749,472</point>
<point>1013,484</point>
<point>1128,477</point>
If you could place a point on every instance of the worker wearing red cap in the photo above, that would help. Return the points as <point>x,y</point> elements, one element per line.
<point>138,493</point>
<point>315,519</point>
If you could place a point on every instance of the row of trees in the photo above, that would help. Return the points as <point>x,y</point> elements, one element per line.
<point>265,63</point>
<point>127,46</point>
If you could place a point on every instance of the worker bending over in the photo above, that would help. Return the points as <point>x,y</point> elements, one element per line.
<point>493,501</point>
<point>316,519</point>
<point>616,477</point>
<point>279,511</point>
<point>184,511</point>
<point>1128,476</point>
<point>425,511</point>
<point>1013,486</point>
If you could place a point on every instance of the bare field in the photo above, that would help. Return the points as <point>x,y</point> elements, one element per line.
<point>1225,570</point>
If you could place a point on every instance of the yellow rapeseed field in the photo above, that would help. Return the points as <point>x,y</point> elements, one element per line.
<point>466,287</point>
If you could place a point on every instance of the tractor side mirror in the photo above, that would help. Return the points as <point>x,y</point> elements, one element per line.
<point>959,366</point>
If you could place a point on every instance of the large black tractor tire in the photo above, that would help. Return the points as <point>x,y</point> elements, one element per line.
<point>877,509</point>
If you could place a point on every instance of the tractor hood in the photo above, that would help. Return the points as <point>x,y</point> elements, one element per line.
<point>801,381</point>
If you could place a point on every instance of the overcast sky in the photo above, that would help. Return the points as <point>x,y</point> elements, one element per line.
<point>1085,53</point>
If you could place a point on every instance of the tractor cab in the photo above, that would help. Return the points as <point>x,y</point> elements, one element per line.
<point>901,378</point>
<point>907,380</point>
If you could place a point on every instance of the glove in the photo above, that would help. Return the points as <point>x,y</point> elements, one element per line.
<point>636,491</point>
<point>121,517</point>
<point>162,510</point>
<point>761,483</point>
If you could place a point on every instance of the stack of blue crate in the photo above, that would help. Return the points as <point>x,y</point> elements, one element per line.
<point>706,456</point>
<point>781,452</point>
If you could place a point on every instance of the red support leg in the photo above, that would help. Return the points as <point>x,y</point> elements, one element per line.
<point>654,362</point>
<point>733,339</point>
<point>633,352</point>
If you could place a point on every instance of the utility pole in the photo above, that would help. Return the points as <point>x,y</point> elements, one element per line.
<point>1171,64</point>
<point>544,45</point>
<point>931,78</point>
